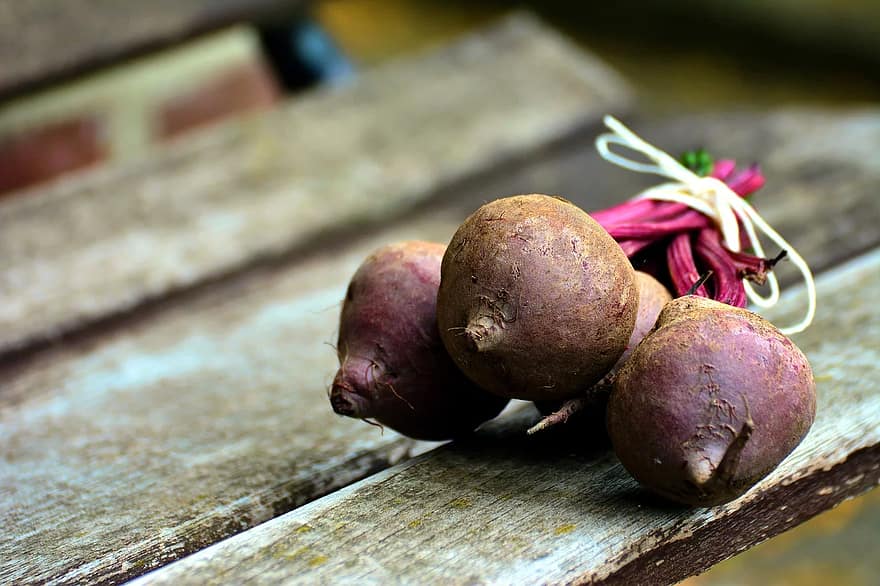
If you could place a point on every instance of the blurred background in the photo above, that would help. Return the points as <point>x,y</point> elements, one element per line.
<point>679,55</point>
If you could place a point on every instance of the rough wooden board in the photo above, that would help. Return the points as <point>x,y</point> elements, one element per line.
<point>180,431</point>
<point>506,509</point>
<point>104,242</point>
<point>44,41</point>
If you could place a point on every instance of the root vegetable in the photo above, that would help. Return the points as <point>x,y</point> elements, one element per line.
<point>586,414</point>
<point>393,366</point>
<point>653,297</point>
<point>536,300</point>
<point>710,402</point>
<point>685,242</point>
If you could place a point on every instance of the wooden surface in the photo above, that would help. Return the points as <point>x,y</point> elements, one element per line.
<point>149,435</point>
<point>45,41</point>
<point>504,509</point>
<point>184,428</point>
<point>102,243</point>
<point>162,431</point>
<point>190,420</point>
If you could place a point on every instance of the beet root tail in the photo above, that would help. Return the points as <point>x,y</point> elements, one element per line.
<point>346,401</point>
<point>483,334</point>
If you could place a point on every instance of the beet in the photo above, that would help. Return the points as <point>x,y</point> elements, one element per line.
<point>653,297</point>
<point>682,237</point>
<point>536,300</point>
<point>586,415</point>
<point>710,402</point>
<point>393,366</point>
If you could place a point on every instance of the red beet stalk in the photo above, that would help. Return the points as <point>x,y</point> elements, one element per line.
<point>672,238</point>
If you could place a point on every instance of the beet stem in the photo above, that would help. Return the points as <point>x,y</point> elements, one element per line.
<point>698,283</point>
<point>626,211</point>
<point>728,287</point>
<point>690,220</point>
<point>682,268</point>
<point>772,262</point>
<point>723,169</point>
<point>570,407</point>
<point>561,415</point>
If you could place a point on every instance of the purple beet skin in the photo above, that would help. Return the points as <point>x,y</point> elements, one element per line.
<point>393,366</point>
<point>537,301</point>
<point>584,416</point>
<point>710,402</point>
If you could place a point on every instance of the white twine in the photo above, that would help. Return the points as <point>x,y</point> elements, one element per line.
<point>714,198</point>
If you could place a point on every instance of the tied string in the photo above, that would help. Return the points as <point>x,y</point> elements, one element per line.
<point>715,199</point>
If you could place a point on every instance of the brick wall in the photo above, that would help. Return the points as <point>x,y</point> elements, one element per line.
<point>123,111</point>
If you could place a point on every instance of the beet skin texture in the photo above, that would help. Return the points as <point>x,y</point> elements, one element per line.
<point>710,402</point>
<point>588,420</point>
<point>537,301</point>
<point>653,297</point>
<point>393,366</point>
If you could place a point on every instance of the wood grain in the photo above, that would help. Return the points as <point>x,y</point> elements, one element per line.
<point>47,41</point>
<point>180,425</point>
<point>105,242</point>
<point>174,433</point>
<point>506,509</point>
<point>176,426</point>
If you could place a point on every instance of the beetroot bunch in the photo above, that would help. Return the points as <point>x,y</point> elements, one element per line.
<point>535,299</point>
<point>677,243</point>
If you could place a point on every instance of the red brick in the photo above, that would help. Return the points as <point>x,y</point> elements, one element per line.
<point>43,153</point>
<point>245,87</point>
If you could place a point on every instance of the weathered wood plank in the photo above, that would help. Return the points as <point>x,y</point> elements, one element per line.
<point>104,242</point>
<point>506,509</point>
<point>47,41</point>
<point>180,431</point>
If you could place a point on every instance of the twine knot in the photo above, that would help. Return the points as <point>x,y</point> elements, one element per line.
<point>715,199</point>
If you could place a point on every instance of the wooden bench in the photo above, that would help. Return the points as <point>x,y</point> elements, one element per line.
<point>163,372</point>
